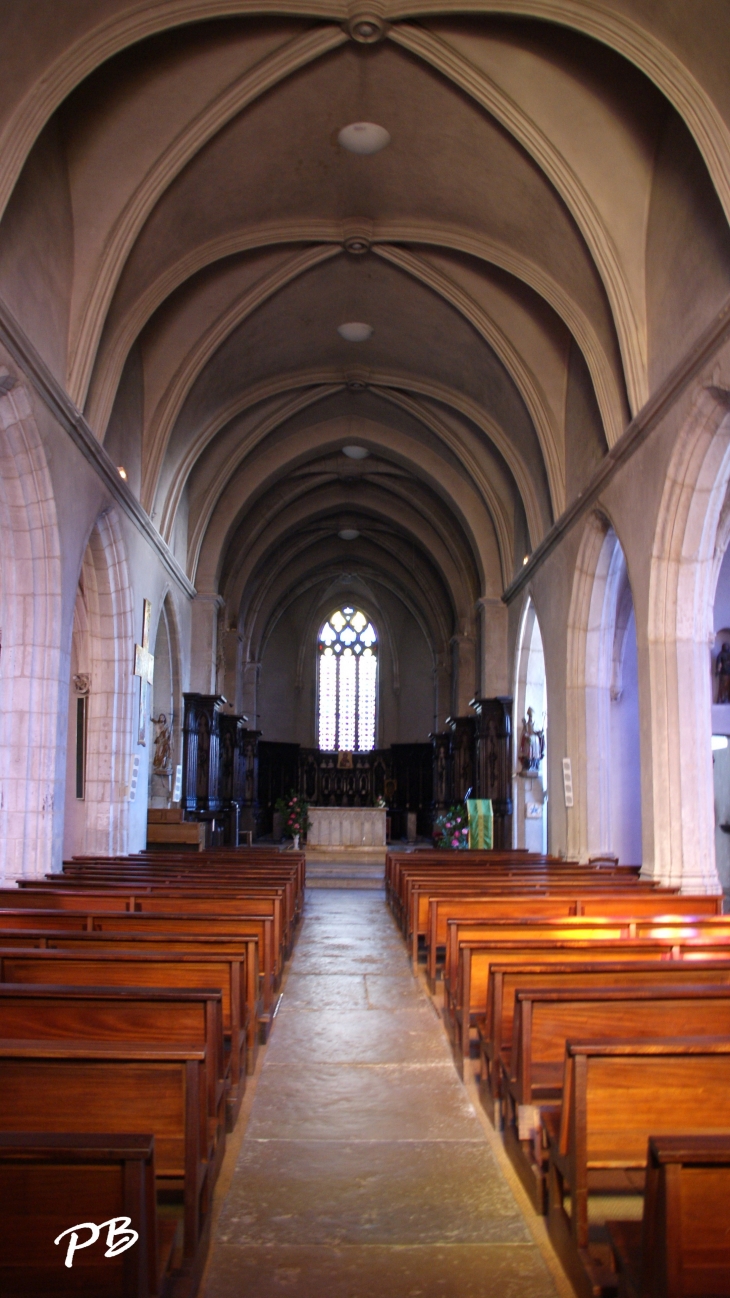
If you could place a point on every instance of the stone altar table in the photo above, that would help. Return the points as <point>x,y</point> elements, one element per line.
<point>346,828</point>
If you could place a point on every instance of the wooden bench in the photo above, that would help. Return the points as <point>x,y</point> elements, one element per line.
<point>682,1247</point>
<point>466,993</point>
<point>240,933</point>
<point>495,1030</point>
<point>117,1014</point>
<point>113,968</point>
<point>49,1182</point>
<point>53,1086</point>
<point>546,1018</point>
<point>149,902</point>
<point>642,910</point>
<point>616,1094</point>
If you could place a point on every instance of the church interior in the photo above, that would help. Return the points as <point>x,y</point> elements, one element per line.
<point>364,648</point>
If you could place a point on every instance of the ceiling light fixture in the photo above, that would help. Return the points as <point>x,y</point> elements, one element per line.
<point>526,560</point>
<point>356,452</point>
<point>122,472</point>
<point>355,331</point>
<point>348,534</point>
<point>363,137</point>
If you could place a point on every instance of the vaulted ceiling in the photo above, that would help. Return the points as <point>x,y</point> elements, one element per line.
<point>184,232</point>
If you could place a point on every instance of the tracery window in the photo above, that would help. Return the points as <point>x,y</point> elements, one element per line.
<point>348,675</point>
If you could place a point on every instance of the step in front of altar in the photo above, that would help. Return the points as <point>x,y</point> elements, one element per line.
<point>354,867</point>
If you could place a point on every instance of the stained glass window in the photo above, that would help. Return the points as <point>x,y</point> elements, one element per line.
<point>348,676</point>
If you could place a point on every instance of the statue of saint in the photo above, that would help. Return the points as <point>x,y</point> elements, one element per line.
<point>162,759</point>
<point>532,745</point>
<point>722,671</point>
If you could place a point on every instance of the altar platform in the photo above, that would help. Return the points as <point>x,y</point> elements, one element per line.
<point>346,847</point>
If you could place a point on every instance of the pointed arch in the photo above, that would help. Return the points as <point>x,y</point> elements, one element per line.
<point>102,825</point>
<point>684,568</point>
<point>31,662</point>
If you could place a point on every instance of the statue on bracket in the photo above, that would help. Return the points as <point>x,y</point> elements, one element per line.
<point>532,745</point>
<point>722,671</point>
<point>162,758</point>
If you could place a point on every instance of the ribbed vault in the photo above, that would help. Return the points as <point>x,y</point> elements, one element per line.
<point>200,233</point>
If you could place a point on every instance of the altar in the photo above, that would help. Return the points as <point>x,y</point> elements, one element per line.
<point>348,828</point>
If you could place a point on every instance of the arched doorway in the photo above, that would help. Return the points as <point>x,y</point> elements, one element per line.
<point>530,780</point>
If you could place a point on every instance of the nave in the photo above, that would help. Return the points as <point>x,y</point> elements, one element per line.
<point>364,1169</point>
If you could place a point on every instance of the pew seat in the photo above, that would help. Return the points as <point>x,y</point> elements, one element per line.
<point>49,1182</point>
<point>615,1095</point>
<point>546,1018</point>
<point>681,1248</point>
<point>56,1085</point>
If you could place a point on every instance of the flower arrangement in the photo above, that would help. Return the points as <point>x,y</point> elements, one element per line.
<point>380,802</point>
<point>295,812</point>
<point>451,828</point>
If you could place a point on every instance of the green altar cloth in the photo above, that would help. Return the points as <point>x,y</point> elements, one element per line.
<point>481,823</point>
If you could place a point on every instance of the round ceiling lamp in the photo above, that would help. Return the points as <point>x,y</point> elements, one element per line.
<point>355,331</point>
<point>363,137</point>
<point>356,452</point>
<point>348,534</point>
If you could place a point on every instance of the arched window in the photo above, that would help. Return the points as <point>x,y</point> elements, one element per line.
<point>347,661</point>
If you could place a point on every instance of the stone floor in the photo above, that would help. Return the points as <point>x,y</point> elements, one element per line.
<point>364,1170</point>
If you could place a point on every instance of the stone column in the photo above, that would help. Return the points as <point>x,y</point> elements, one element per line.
<point>494,665</point>
<point>463,676</point>
<point>204,642</point>
<point>249,692</point>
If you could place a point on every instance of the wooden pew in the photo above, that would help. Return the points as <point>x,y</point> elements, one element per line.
<point>466,992</point>
<point>111,940</point>
<point>546,1018</point>
<point>54,1085</point>
<point>252,883</point>
<point>49,1182</point>
<point>616,1094</point>
<point>495,1031</point>
<point>114,968</point>
<point>150,902</point>
<point>418,890</point>
<point>256,928</point>
<point>682,1247</point>
<point>170,1016</point>
<point>633,904</point>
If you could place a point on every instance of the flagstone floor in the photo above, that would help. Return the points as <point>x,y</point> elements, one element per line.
<point>364,1171</point>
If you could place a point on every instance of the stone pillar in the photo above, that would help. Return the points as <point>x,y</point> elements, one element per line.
<point>204,642</point>
<point>463,672</point>
<point>494,665</point>
<point>249,692</point>
<point>441,690</point>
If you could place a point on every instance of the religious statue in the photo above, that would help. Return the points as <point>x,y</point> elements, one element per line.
<point>722,671</point>
<point>532,745</point>
<point>162,759</point>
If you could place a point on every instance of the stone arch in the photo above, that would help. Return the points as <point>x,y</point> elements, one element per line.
<point>166,699</point>
<point>105,597</point>
<point>530,690</point>
<point>30,648</point>
<point>684,569</point>
<point>600,626</point>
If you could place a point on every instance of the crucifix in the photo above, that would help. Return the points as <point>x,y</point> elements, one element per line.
<point>144,667</point>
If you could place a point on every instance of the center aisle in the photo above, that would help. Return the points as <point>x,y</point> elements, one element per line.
<point>364,1171</point>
